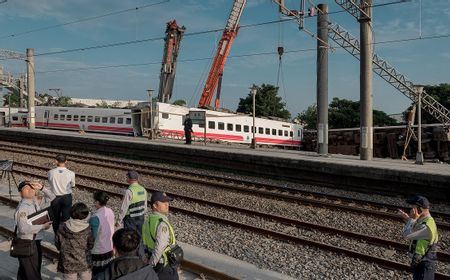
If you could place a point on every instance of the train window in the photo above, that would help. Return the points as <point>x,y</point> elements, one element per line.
<point>212,125</point>
<point>201,125</point>
<point>291,133</point>
<point>286,133</point>
<point>260,130</point>
<point>62,117</point>
<point>120,120</point>
<point>55,116</point>
<point>112,120</point>
<point>268,131</point>
<point>165,115</point>
<point>82,118</point>
<point>69,117</point>
<point>274,131</point>
<point>15,118</point>
<point>280,132</point>
<point>75,118</point>
<point>221,126</point>
<point>238,127</point>
<point>229,126</point>
<point>46,114</point>
<point>128,120</point>
<point>97,119</point>
<point>90,118</point>
<point>246,128</point>
<point>299,133</point>
<point>104,119</point>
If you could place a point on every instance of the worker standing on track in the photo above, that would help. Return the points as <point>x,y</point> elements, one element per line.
<point>421,230</point>
<point>30,267</point>
<point>159,237</point>
<point>188,130</point>
<point>61,181</point>
<point>134,207</point>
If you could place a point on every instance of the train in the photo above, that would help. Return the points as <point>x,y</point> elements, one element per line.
<point>166,120</point>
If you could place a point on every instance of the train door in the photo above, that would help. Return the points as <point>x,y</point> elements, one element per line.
<point>46,118</point>
<point>136,121</point>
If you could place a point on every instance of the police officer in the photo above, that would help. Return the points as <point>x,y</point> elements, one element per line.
<point>421,230</point>
<point>30,267</point>
<point>134,206</point>
<point>188,130</point>
<point>158,236</point>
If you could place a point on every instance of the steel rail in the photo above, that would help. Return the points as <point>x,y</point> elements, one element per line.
<point>186,264</point>
<point>267,232</point>
<point>267,194</point>
<point>236,184</point>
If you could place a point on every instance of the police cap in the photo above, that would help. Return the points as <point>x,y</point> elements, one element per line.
<point>419,201</point>
<point>159,196</point>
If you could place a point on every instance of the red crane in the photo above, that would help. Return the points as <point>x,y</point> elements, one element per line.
<point>216,71</point>
<point>174,34</point>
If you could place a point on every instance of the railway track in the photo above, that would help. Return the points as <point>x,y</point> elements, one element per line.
<point>262,231</point>
<point>382,210</point>
<point>50,253</point>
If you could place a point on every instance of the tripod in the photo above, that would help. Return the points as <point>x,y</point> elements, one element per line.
<point>6,166</point>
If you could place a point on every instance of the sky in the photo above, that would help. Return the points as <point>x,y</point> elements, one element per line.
<point>253,58</point>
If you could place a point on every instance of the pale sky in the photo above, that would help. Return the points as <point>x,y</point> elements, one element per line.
<point>422,61</point>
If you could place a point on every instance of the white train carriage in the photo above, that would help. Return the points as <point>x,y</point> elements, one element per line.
<point>114,121</point>
<point>230,127</point>
<point>168,122</point>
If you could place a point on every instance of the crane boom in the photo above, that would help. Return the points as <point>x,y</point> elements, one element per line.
<point>223,49</point>
<point>174,34</point>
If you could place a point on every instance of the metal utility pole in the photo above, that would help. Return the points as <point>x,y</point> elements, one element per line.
<point>21,91</point>
<point>419,155</point>
<point>366,110</point>
<point>31,90</point>
<point>322,79</point>
<point>150,135</point>
<point>253,91</point>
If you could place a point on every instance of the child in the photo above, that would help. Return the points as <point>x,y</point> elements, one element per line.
<point>74,241</point>
<point>127,265</point>
<point>102,225</point>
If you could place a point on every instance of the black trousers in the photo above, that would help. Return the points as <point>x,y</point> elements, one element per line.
<point>61,210</point>
<point>136,224</point>
<point>424,270</point>
<point>188,136</point>
<point>30,267</point>
<point>168,272</point>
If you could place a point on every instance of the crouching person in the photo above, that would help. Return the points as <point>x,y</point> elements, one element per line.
<point>30,266</point>
<point>74,241</point>
<point>127,265</point>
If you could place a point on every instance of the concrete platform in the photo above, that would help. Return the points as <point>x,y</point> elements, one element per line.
<point>218,262</point>
<point>406,177</point>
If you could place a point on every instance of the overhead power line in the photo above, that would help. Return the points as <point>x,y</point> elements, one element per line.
<point>123,43</point>
<point>82,20</point>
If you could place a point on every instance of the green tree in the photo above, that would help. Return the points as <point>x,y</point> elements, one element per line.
<point>268,103</point>
<point>343,113</point>
<point>102,104</point>
<point>179,102</point>
<point>63,101</point>
<point>441,93</point>
<point>13,96</point>
<point>309,117</point>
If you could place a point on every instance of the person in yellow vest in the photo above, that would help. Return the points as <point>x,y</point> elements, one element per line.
<point>420,229</point>
<point>134,207</point>
<point>159,237</point>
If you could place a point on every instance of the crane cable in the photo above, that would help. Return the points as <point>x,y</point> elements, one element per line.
<point>280,50</point>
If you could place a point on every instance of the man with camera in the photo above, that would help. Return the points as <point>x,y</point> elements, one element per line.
<point>421,230</point>
<point>29,236</point>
